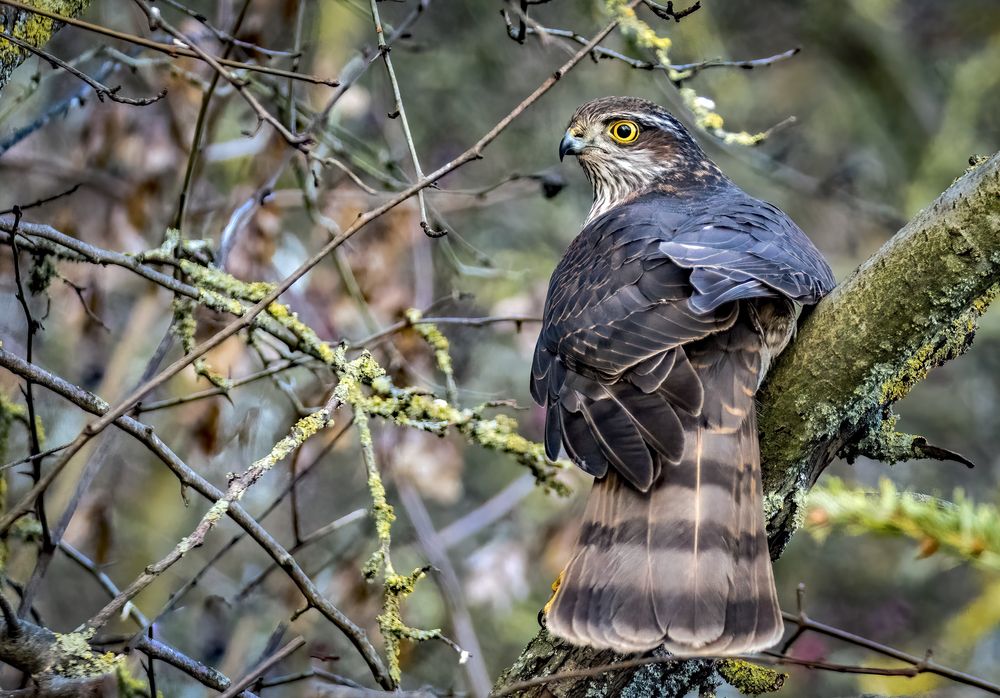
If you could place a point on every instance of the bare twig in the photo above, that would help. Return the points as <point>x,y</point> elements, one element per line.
<point>400,112</point>
<point>189,478</point>
<point>229,37</point>
<point>154,649</point>
<point>274,369</point>
<point>924,665</point>
<point>101,90</point>
<point>518,320</point>
<point>263,668</point>
<point>104,580</point>
<point>169,49</point>
<point>200,123</point>
<point>156,21</point>
<point>678,72</point>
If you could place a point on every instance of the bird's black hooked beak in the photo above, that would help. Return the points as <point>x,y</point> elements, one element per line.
<point>570,145</point>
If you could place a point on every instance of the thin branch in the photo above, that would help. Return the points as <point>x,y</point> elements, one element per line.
<point>263,667</point>
<point>924,664</point>
<point>100,89</point>
<point>200,124</point>
<point>207,676</point>
<point>518,320</point>
<point>307,540</point>
<point>104,580</point>
<point>41,202</point>
<point>227,37</point>
<point>156,21</point>
<point>678,72</point>
<point>274,369</point>
<point>169,49</point>
<point>189,478</point>
<point>31,327</point>
<point>400,112</point>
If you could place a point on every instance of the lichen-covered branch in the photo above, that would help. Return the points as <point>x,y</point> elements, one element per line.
<point>32,29</point>
<point>911,307</point>
<point>61,664</point>
<point>239,483</point>
<point>960,528</point>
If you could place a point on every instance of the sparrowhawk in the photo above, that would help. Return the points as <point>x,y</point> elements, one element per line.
<point>660,324</point>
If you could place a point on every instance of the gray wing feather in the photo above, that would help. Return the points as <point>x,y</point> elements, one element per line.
<point>635,290</point>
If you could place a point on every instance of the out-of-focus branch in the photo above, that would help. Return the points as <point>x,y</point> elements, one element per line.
<point>960,528</point>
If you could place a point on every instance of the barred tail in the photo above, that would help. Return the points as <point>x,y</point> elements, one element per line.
<point>684,565</point>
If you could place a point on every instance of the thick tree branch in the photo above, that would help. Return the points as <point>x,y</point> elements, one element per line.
<point>911,307</point>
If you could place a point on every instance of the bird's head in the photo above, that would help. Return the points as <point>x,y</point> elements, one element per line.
<point>629,146</point>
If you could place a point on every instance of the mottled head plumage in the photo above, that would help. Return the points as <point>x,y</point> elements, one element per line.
<point>663,155</point>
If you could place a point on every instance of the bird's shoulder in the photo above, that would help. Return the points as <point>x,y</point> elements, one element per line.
<point>723,228</point>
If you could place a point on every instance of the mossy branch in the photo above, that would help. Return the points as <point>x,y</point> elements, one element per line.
<point>62,664</point>
<point>961,528</point>
<point>408,407</point>
<point>911,307</point>
<point>32,29</point>
<point>395,587</point>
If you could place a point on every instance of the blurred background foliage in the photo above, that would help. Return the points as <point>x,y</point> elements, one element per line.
<point>890,97</point>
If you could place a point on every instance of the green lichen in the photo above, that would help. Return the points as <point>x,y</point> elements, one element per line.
<point>75,658</point>
<point>184,327</point>
<point>128,685</point>
<point>9,412</point>
<point>301,431</point>
<point>439,343</point>
<point>950,343</point>
<point>309,341</point>
<point>711,121</point>
<point>43,270</point>
<point>962,528</point>
<point>225,292</point>
<point>390,621</point>
<point>750,679</point>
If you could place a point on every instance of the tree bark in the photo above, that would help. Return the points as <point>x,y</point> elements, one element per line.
<point>913,306</point>
<point>31,28</point>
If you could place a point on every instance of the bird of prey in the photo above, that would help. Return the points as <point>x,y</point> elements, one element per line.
<point>660,324</point>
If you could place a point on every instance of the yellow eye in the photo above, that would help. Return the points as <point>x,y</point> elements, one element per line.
<point>624,131</point>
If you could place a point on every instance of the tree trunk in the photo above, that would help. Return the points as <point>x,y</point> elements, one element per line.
<point>913,306</point>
